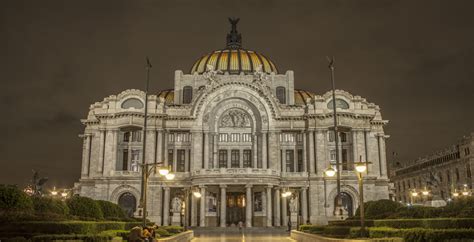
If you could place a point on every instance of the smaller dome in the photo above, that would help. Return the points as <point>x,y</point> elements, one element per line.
<point>168,95</point>
<point>301,96</point>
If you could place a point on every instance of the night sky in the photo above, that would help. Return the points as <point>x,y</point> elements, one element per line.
<point>413,58</point>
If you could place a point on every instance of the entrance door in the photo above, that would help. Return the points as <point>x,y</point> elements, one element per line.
<point>235,211</point>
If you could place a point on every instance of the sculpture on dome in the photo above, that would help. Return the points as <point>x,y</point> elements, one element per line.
<point>211,75</point>
<point>260,78</point>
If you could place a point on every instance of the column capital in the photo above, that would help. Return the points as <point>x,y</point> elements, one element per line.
<point>248,186</point>
<point>222,185</point>
<point>269,186</point>
<point>167,188</point>
<point>202,186</point>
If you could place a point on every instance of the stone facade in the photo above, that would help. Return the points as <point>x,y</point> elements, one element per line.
<point>242,138</point>
<point>442,173</point>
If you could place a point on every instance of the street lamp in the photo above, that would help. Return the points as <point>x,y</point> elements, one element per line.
<point>147,169</point>
<point>465,191</point>
<point>455,193</point>
<point>361,167</point>
<point>329,172</point>
<point>54,192</point>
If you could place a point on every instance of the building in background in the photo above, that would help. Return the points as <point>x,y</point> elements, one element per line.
<point>235,128</point>
<point>442,173</point>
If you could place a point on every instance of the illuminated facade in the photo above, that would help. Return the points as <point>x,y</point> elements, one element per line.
<point>236,129</point>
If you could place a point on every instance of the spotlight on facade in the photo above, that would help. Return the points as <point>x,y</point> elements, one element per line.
<point>465,193</point>
<point>330,172</point>
<point>425,192</point>
<point>197,194</point>
<point>455,194</point>
<point>414,193</point>
<point>360,167</point>
<point>64,194</point>
<point>170,176</point>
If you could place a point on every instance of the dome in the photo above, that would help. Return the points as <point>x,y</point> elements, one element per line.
<point>234,59</point>
<point>234,62</point>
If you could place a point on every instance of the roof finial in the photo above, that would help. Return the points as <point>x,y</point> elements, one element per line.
<point>234,39</point>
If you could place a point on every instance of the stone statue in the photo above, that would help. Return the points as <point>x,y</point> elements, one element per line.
<point>211,75</point>
<point>176,205</point>
<point>293,205</point>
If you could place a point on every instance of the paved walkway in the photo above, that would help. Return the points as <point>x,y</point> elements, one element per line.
<point>234,235</point>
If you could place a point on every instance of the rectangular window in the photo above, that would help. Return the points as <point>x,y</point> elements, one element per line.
<point>180,160</point>
<point>290,160</point>
<point>448,176</point>
<point>247,158</point>
<point>300,160</point>
<point>222,158</point>
<point>125,160</point>
<point>136,136</point>
<point>344,159</point>
<point>343,137</point>
<point>332,156</point>
<point>126,137</point>
<point>235,159</point>
<point>468,171</point>
<point>171,158</point>
<point>135,159</point>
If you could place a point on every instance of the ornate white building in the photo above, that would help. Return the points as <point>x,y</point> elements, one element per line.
<point>236,129</point>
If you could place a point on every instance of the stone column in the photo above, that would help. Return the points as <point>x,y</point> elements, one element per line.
<point>305,162</point>
<point>264,151</point>
<point>248,206</point>
<point>304,205</point>
<point>194,210</point>
<point>175,159</point>
<point>273,152</point>
<point>321,154</point>
<point>202,220</point>
<point>223,205</point>
<point>214,150</point>
<point>312,164</point>
<point>101,149</point>
<point>165,149</point>
<point>206,150</point>
<point>284,211</point>
<point>159,147</point>
<point>85,155</point>
<point>277,208</point>
<point>166,207</point>
<point>254,151</point>
<point>269,206</point>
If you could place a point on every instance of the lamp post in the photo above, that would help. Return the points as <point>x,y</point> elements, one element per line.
<point>336,134</point>
<point>361,167</point>
<point>329,172</point>
<point>146,170</point>
<point>54,192</point>
<point>187,192</point>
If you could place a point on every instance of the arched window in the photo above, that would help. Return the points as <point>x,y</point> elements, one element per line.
<point>281,94</point>
<point>128,203</point>
<point>339,104</point>
<point>132,103</point>
<point>187,94</point>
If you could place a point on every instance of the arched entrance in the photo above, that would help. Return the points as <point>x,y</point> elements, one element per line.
<point>128,203</point>
<point>347,206</point>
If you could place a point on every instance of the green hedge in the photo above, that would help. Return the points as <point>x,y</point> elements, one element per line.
<point>110,210</point>
<point>351,222</point>
<point>441,223</point>
<point>84,207</point>
<point>83,237</point>
<point>173,229</point>
<point>332,231</point>
<point>64,227</point>
<point>418,234</point>
<point>50,207</point>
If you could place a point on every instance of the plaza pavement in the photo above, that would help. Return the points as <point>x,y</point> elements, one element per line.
<point>234,235</point>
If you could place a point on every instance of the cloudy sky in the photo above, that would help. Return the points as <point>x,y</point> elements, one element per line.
<point>413,58</point>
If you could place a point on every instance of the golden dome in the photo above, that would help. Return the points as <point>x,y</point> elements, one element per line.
<point>234,61</point>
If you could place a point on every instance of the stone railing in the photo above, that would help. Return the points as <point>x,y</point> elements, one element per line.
<point>294,174</point>
<point>236,171</point>
<point>181,237</point>
<point>126,173</point>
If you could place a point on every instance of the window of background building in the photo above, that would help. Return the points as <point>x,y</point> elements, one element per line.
<point>448,176</point>
<point>290,160</point>
<point>171,158</point>
<point>440,176</point>
<point>344,159</point>
<point>180,160</point>
<point>235,158</point>
<point>343,136</point>
<point>457,174</point>
<point>247,158</point>
<point>222,158</point>
<point>300,160</point>
<point>187,94</point>
<point>468,171</point>
<point>281,94</point>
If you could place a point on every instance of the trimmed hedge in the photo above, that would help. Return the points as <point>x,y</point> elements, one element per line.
<point>50,207</point>
<point>332,231</point>
<point>64,227</point>
<point>351,223</point>
<point>173,229</point>
<point>162,232</point>
<point>14,204</point>
<point>418,234</point>
<point>84,207</point>
<point>110,210</point>
<point>83,237</point>
<point>441,223</point>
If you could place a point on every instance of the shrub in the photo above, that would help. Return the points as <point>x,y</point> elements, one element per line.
<point>49,206</point>
<point>162,232</point>
<point>173,229</point>
<point>83,237</point>
<point>379,209</point>
<point>337,231</point>
<point>351,222</point>
<point>439,223</point>
<point>63,227</point>
<point>111,211</point>
<point>12,199</point>
<point>313,229</point>
<point>114,232</point>
<point>84,207</point>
